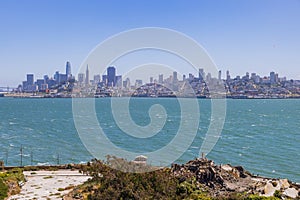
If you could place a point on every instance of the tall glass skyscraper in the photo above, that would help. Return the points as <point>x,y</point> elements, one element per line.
<point>87,76</point>
<point>111,76</point>
<point>68,70</point>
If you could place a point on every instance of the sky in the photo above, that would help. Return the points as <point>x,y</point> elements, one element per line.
<point>239,35</point>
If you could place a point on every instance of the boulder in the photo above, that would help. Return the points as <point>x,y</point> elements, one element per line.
<point>269,189</point>
<point>284,183</point>
<point>227,168</point>
<point>291,192</point>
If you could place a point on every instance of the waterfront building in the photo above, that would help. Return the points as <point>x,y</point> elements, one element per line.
<point>39,83</point>
<point>24,85</point>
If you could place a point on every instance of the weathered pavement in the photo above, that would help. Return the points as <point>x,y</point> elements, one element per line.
<point>49,184</point>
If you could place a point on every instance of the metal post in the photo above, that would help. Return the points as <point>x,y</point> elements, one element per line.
<point>6,157</point>
<point>58,159</point>
<point>31,158</point>
<point>21,154</point>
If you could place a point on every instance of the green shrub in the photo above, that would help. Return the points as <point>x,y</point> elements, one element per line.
<point>3,190</point>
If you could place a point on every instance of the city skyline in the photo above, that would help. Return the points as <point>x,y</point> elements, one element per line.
<point>260,36</point>
<point>111,79</point>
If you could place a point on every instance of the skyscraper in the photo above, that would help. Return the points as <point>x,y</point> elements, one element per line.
<point>220,75</point>
<point>160,78</point>
<point>81,78</point>
<point>87,76</point>
<point>201,74</point>
<point>118,81</point>
<point>175,78</point>
<point>68,70</point>
<point>227,75</point>
<point>104,79</point>
<point>30,79</point>
<point>272,77</point>
<point>111,76</point>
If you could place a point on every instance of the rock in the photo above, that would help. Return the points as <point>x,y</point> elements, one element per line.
<point>291,192</point>
<point>284,183</point>
<point>269,190</point>
<point>241,171</point>
<point>227,168</point>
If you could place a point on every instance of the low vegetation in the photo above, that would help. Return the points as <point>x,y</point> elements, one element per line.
<point>9,182</point>
<point>110,183</point>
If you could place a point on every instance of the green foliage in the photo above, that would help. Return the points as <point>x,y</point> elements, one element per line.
<point>114,184</point>
<point>3,190</point>
<point>278,194</point>
<point>109,183</point>
<point>257,197</point>
<point>11,176</point>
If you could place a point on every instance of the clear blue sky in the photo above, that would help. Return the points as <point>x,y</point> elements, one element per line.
<point>39,36</point>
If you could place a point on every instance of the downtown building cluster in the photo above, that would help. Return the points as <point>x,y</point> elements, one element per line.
<point>201,85</point>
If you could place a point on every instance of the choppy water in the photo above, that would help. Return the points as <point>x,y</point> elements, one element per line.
<point>261,135</point>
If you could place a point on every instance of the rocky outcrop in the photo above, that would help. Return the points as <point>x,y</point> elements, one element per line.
<point>225,179</point>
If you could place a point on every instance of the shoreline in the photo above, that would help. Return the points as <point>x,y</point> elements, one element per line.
<point>147,97</point>
<point>218,180</point>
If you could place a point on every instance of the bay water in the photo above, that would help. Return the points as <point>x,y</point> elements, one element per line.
<point>261,135</point>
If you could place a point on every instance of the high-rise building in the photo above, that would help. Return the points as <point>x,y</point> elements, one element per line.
<point>87,75</point>
<point>96,79</point>
<point>208,77</point>
<point>227,75</point>
<point>126,83</point>
<point>68,70</point>
<point>201,74</point>
<point>60,78</point>
<point>104,79</point>
<point>220,75</point>
<point>81,78</point>
<point>160,78</point>
<point>138,83</point>
<point>46,79</point>
<point>39,83</point>
<point>272,78</point>
<point>111,76</point>
<point>247,76</point>
<point>151,79</point>
<point>175,78</point>
<point>118,81</point>
<point>30,79</point>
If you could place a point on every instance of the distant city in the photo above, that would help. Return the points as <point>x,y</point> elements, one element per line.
<point>110,84</point>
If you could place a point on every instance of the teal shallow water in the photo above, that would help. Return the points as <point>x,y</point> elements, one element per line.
<point>261,135</point>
